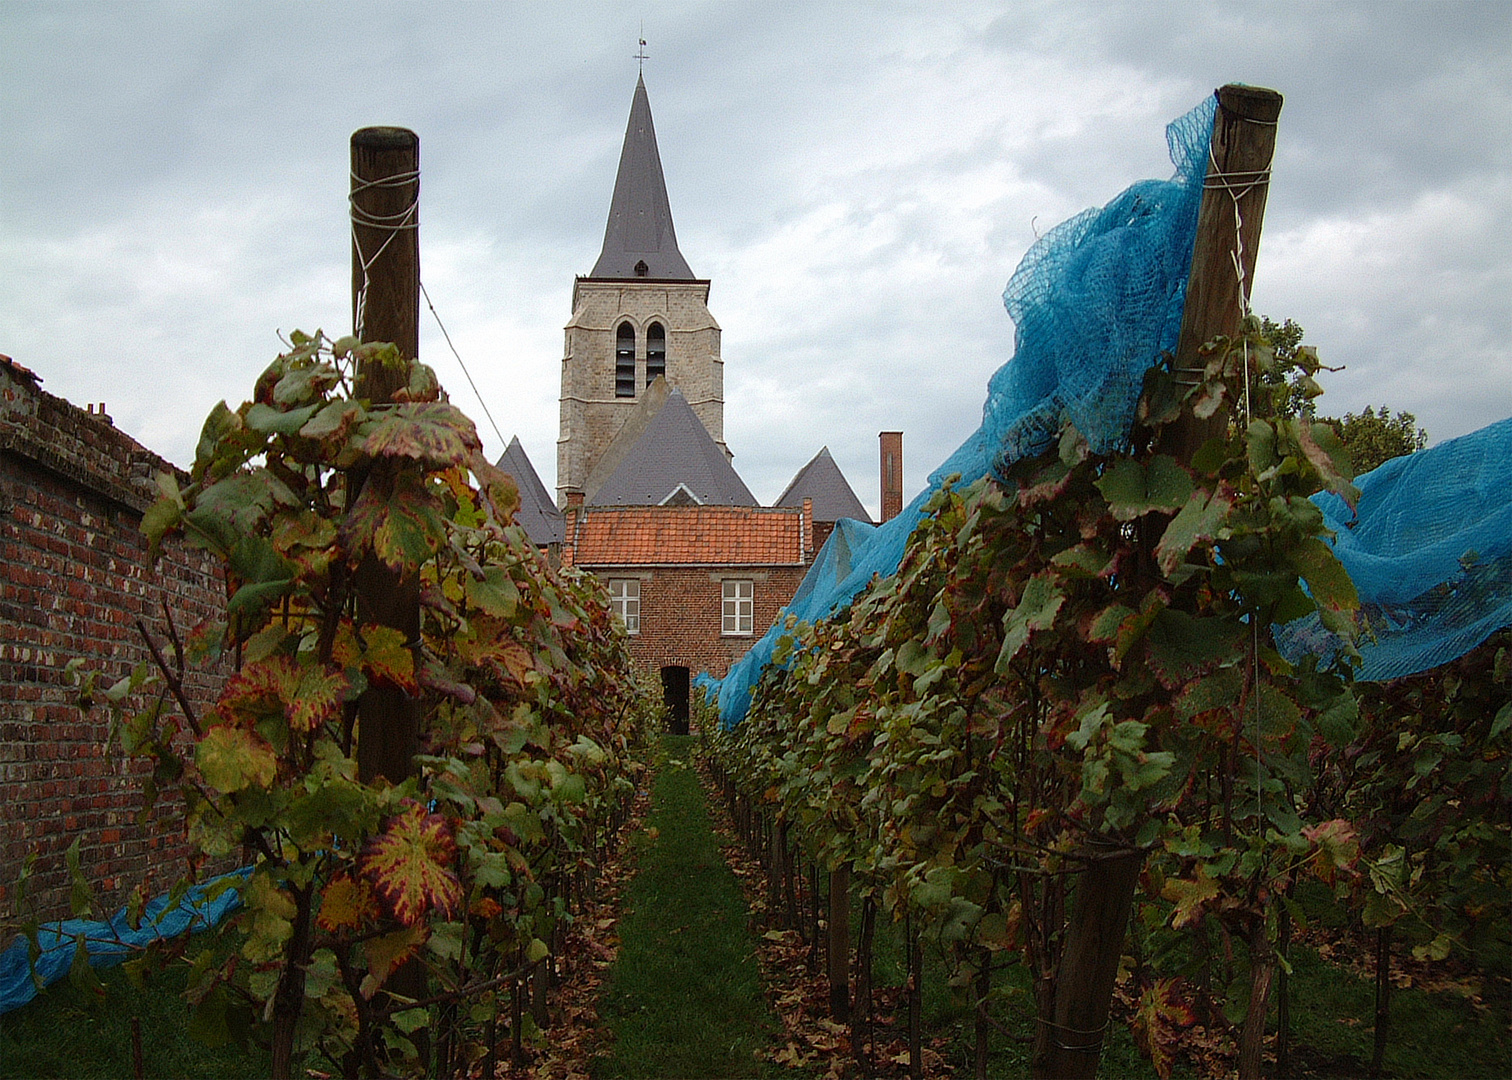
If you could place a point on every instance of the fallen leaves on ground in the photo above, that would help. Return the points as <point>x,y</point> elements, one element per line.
<point>798,989</point>
<point>576,1035</point>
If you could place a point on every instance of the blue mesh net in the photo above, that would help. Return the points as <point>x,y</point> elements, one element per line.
<point>1429,548</point>
<point>109,943</point>
<point>1095,302</point>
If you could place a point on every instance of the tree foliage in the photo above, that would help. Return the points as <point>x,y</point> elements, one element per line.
<point>1372,438</point>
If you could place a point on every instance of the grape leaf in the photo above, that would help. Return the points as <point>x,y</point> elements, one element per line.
<point>434,433</point>
<point>1133,489</point>
<point>231,758</point>
<point>409,866</point>
<point>317,699</point>
<point>1189,897</point>
<point>346,903</point>
<point>385,954</point>
<point>387,659</point>
<point>1158,1020</point>
<point>1201,519</point>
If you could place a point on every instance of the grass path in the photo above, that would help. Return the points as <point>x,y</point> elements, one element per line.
<point>684,997</point>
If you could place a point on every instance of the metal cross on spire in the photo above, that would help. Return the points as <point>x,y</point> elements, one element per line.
<point>640,54</point>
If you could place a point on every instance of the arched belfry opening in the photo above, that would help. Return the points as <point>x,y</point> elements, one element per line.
<point>624,361</point>
<point>656,352</point>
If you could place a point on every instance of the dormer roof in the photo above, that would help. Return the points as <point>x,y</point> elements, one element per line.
<point>639,240</point>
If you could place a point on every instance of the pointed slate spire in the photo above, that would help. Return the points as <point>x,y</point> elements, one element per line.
<point>639,241</point>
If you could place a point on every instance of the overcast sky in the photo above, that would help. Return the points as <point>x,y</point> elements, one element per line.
<point>858,180</point>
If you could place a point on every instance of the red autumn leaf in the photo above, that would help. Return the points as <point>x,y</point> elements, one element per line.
<point>1158,1021</point>
<point>409,866</point>
<point>346,903</point>
<point>317,699</point>
<point>258,690</point>
<point>1337,848</point>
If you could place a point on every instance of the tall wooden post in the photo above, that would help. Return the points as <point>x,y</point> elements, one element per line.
<point>1238,179</point>
<point>386,307</point>
<point>1069,1044</point>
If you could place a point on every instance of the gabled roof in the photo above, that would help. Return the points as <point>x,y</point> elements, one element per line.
<point>646,408</point>
<point>822,481</point>
<point>640,216</point>
<point>675,449</point>
<point>690,536</point>
<point>537,514</point>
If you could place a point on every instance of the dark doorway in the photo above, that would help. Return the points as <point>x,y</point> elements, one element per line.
<point>675,697</point>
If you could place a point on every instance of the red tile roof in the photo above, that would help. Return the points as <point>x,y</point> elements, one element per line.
<point>690,536</point>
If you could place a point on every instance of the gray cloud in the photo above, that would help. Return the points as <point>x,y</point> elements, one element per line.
<point>858,181</point>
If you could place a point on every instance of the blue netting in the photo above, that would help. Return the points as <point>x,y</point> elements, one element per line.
<point>108,943</point>
<point>1429,548</point>
<point>1095,301</point>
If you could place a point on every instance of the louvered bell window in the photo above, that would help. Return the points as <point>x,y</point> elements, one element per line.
<point>656,352</point>
<point>624,361</point>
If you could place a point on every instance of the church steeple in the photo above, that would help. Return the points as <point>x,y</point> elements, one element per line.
<point>639,240</point>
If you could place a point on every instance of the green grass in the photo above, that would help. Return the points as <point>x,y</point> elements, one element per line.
<point>684,997</point>
<point>60,1034</point>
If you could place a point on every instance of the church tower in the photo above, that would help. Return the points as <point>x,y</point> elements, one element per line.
<point>638,315</point>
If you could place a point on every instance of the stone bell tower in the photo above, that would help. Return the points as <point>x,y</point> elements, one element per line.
<point>638,315</point>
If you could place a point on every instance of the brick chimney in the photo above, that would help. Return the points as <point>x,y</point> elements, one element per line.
<point>892,473</point>
<point>571,516</point>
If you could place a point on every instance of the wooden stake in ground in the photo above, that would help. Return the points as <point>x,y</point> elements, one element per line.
<point>386,307</point>
<point>1069,1044</point>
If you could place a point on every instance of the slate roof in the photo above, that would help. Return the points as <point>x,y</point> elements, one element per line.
<point>674,450</point>
<point>538,514</point>
<point>822,481</point>
<point>690,536</point>
<point>640,216</point>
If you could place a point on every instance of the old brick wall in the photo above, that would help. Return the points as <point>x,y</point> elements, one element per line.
<point>75,580</point>
<point>681,607</point>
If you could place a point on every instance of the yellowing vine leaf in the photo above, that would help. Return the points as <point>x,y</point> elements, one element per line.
<point>387,659</point>
<point>1189,897</point>
<point>231,758</point>
<point>384,954</point>
<point>409,863</point>
<point>1158,1021</point>
<point>317,699</point>
<point>346,903</point>
<point>435,433</point>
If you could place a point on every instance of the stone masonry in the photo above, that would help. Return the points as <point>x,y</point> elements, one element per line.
<point>591,414</point>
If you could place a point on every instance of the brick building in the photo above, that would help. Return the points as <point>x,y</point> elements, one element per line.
<point>696,568</point>
<point>75,582</point>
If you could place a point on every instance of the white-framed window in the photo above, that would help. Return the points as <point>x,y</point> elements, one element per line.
<point>738,607</point>
<point>624,600</point>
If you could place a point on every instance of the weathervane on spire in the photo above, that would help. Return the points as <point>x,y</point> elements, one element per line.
<point>640,54</point>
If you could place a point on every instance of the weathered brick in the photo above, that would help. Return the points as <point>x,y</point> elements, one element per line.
<point>72,491</point>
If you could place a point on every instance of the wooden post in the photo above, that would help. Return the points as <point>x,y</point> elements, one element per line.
<point>1069,1044</point>
<point>1244,140</point>
<point>386,307</point>
<point>839,943</point>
